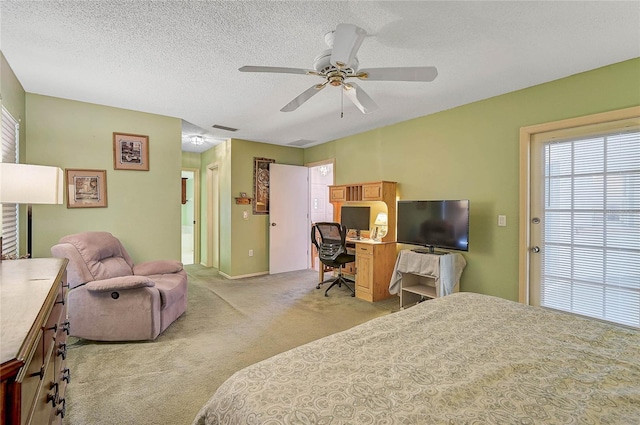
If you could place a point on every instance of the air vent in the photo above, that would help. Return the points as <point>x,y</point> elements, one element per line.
<point>222,127</point>
<point>301,142</point>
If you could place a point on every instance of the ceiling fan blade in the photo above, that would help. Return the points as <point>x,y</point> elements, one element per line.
<point>359,98</point>
<point>276,69</point>
<point>418,73</point>
<point>303,97</point>
<point>346,42</point>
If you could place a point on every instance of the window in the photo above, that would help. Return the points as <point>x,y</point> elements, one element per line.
<point>10,132</point>
<point>590,256</point>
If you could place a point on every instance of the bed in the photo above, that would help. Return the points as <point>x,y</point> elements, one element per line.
<point>461,359</point>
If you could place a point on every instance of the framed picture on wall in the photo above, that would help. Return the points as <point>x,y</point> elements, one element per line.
<point>130,152</point>
<point>86,188</point>
<point>261,185</point>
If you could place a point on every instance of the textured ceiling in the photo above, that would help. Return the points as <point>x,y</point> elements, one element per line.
<point>181,58</point>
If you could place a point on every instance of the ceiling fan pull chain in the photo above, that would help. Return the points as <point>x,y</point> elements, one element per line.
<point>341,103</point>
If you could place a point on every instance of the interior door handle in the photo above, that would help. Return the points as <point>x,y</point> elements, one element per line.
<point>273,224</point>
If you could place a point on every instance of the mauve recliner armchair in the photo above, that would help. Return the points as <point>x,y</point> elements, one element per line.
<point>110,298</point>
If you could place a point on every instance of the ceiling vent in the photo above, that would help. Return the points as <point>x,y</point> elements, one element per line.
<point>301,142</point>
<point>222,127</point>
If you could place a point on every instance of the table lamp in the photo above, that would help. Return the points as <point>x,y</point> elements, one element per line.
<point>30,184</point>
<point>381,224</point>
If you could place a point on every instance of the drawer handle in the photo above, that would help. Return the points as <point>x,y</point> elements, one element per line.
<point>61,410</point>
<point>66,327</point>
<point>39,374</point>
<point>62,350</point>
<point>53,398</point>
<point>66,375</point>
<point>60,302</point>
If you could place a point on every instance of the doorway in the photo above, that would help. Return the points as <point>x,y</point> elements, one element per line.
<point>321,176</point>
<point>188,218</point>
<point>579,215</point>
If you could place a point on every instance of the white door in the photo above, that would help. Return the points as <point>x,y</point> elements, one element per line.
<point>585,221</point>
<point>289,231</point>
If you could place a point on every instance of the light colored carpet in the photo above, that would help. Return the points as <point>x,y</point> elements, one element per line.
<point>229,324</point>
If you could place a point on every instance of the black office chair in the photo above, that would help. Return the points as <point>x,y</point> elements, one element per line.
<point>330,240</point>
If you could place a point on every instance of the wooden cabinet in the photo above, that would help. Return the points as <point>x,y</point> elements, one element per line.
<point>374,265</point>
<point>374,260</point>
<point>337,193</point>
<point>383,191</point>
<point>33,372</point>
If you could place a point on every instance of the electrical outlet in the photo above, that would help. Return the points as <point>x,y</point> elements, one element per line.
<point>502,220</point>
<point>245,215</point>
<point>251,253</point>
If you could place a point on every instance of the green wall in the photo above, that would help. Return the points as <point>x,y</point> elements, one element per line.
<point>143,206</point>
<point>252,233</point>
<point>472,152</point>
<point>234,160</point>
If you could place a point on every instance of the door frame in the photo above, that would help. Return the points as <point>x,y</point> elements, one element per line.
<point>526,139</point>
<point>313,251</point>
<point>213,216</point>
<point>196,213</point>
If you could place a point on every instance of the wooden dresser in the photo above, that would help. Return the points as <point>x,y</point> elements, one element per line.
<point>33,335</point>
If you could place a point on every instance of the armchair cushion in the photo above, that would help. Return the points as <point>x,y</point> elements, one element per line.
<point>157,267</point>
<point>102,253</point>
<point>119,283</point>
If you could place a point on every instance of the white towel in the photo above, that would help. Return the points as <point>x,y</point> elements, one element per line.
<point>446,269</point>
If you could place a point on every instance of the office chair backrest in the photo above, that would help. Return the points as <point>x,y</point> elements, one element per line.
<point>331,241</point>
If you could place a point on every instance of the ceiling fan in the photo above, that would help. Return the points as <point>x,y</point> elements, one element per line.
<point>339,64</point>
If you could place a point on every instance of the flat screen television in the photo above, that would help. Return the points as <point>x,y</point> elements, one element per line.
<point>434,224</point>
<point>355,218</point>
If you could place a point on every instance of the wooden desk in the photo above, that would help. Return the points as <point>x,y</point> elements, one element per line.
<point>33,373</point>
<point>372,269</point>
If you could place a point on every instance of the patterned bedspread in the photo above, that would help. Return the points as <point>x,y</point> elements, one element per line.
<point>461,359</point>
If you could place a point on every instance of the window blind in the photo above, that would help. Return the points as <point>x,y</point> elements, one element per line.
<point>591,234</point>
<point>10,131</point>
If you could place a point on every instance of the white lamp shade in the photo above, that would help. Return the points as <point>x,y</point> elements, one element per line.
<point>30,184</point>
<point>381,219</point>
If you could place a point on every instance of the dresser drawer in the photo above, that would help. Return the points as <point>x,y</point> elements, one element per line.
<point>31,379</point>
<point>46,397</point>
<point>364,249</point>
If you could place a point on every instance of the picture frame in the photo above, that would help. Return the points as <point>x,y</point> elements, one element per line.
<point>130,152</point>
<point>261,185</point>
<point>86,188</point>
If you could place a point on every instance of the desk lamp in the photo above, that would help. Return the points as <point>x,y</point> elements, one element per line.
<point>381,224</point>
<point>30,184</point>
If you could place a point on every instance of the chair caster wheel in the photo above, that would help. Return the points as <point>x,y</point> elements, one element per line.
<point>353,295</point>
<point>326,295</point>
<point>318,287</point>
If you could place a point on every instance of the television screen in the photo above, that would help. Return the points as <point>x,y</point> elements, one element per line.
<point>434,224</point>
<point>355,217</point>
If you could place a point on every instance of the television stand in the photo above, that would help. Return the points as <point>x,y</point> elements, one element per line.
<point>436,276</point>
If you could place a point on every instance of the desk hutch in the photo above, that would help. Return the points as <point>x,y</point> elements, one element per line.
<point>374,260</point>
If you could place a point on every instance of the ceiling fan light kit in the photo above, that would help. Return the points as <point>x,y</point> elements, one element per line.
<point>340,63</point>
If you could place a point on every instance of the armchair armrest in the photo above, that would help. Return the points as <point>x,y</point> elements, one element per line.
<point>157,267</point>
<point>119,283</point>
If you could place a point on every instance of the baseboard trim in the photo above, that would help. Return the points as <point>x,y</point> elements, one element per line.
<point>242,275</point>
